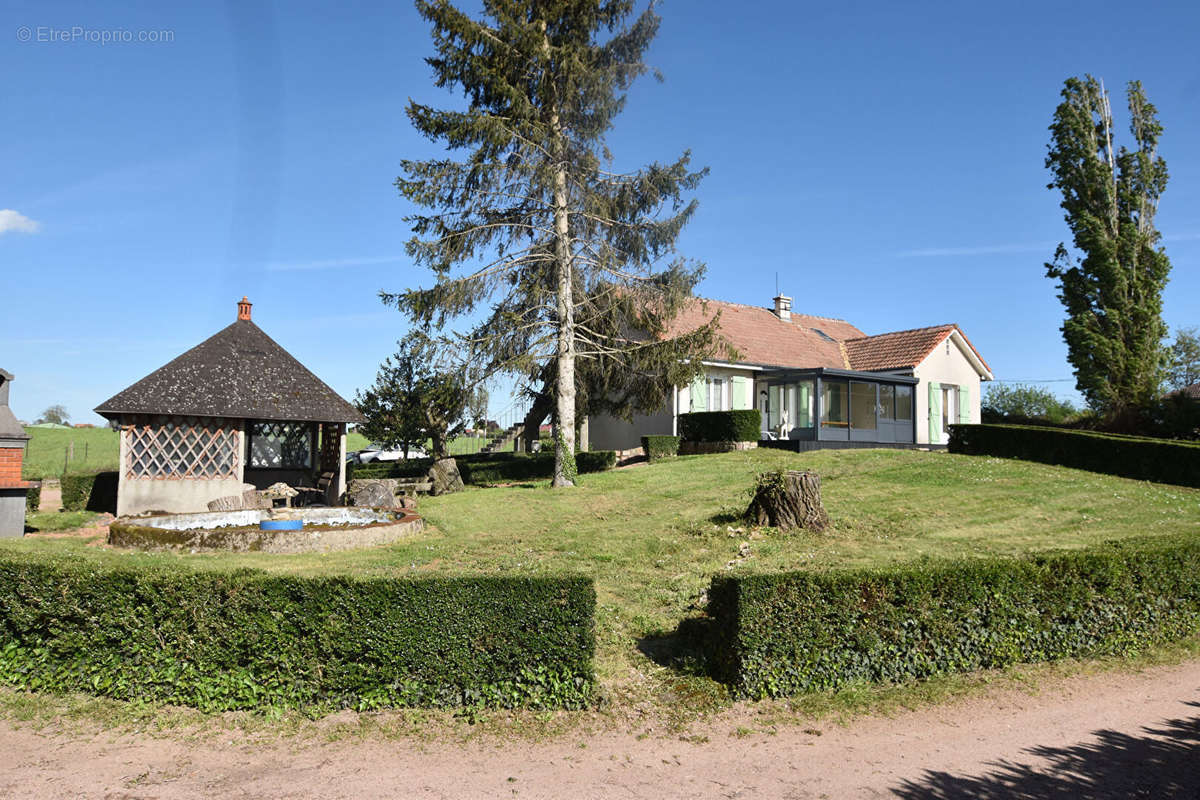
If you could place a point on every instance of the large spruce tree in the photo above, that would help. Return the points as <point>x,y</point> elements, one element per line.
<point>532,235</point>
<point>1112,291</point>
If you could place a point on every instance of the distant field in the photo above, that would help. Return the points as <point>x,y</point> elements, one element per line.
<point>51,450</point>
<point>85,449</point>
<point>460,446</point>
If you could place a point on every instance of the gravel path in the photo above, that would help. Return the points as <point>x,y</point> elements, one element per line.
<point>1111,735</point>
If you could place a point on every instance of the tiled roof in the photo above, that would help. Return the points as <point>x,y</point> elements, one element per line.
<point>896,350</point>
<point>1192,391</point>
<point>239,372</point>
<point>808,341</point>
<point>760,337</point>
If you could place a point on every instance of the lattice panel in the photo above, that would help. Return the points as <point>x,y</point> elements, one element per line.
<point>281,445</point>
<point>331,447</point>
<point>182,447</point>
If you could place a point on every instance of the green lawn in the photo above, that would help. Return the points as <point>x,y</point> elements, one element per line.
<point>653,536</point>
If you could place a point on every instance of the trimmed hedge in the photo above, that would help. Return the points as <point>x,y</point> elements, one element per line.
<point>33,496</point>
<point>743,425</point>
<point>783,634</point>
<point>660,447</point>
<point>1143,458</point>
<point>481,469</point>
<point>253,640</point>
<point>91,491</point>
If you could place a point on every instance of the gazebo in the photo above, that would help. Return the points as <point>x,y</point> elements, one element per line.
<point>235,410</point>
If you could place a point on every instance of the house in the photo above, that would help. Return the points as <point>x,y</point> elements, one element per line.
<point>1191,391</point>
<point>820,382</point>
<point>236,409</point>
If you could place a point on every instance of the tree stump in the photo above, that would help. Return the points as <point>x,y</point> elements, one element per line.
<point>444,476</point>
<point>788,500</point>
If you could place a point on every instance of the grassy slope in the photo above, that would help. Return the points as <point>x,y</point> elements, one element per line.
<point>95,448</point>
<point>653,536</point>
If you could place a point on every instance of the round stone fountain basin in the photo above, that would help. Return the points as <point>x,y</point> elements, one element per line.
<point>323,530</point>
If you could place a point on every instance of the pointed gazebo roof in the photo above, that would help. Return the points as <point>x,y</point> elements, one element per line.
<point>239,372</point>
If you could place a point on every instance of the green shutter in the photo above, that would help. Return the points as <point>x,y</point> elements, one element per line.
<point>699,394</point>
<point>739,396</point>
<point>964,405</point>
<point>935,413</point>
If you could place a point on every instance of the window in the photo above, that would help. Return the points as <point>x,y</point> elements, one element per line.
<point>789,406</point>
<point>181,447</point>
<point>774,408</point>
<point>802,402</point>
<point>823,335</point>
<point>949,407</point>
<point>862,406</point>
<point>834,404</point>
<point>280,445</point>
<point>904,403</point>
<point>887,402</point>
<point>718,394</point>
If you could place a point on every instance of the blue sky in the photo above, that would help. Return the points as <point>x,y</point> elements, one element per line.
<point>885,159</point>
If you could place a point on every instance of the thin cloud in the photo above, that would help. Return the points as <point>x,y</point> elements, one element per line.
<point>983,250</point>
<point>16,222</point>
<point>333,263</point>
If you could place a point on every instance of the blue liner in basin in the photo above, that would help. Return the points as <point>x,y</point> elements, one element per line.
<point>281,524</point>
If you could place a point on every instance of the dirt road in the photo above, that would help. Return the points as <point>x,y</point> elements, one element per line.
<point>1112,735</point>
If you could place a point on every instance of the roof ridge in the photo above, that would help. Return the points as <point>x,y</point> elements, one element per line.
<point>769,310</point>
<point>906,330</point>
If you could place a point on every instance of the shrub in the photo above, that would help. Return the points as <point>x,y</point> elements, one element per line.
<point>782,634</point>
<point>481,469</point>
<point>252,640</point>
<point>76,490</point>
<point>92,491</point>
<point>660,447</point>
<point>1127,456</point>
<point>1019,401</point>
<point>33,497</point>
<point>744,425</point>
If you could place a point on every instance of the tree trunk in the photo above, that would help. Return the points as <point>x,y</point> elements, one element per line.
<point>564,417</point>
<point>787,501</point>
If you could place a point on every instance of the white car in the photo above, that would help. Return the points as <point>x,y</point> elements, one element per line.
<point>378,452</point>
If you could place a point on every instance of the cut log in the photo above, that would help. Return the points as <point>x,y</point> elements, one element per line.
<point>788,501</point>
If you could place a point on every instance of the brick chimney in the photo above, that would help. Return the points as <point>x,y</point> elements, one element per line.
<point>12,453</point>
<point>244,308</point>
<point>783,307</point>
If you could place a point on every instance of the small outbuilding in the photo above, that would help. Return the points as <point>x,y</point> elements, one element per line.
<point>236,409</point>
<point>12,453</point>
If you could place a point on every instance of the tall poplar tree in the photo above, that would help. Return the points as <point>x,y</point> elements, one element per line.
<point>1113,290</point>
<point>553,254</point>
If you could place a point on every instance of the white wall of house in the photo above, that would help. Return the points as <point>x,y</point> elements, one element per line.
<point>951,364</point>
<point>724,387</point>
<point>607,432</point>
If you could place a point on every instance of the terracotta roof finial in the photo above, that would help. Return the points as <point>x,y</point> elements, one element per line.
<point>244,308</point>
